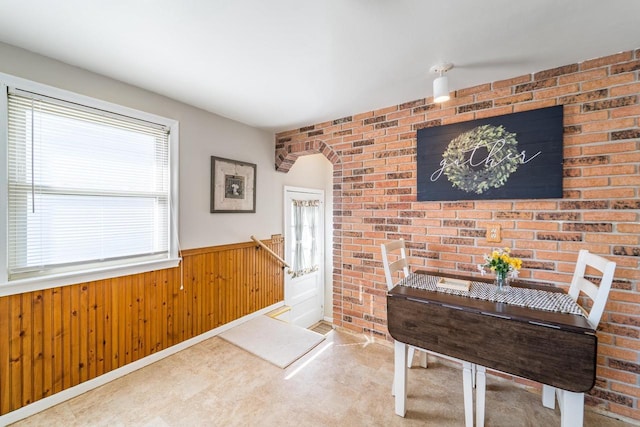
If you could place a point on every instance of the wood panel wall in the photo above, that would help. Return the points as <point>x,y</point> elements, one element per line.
<point>57,338</point>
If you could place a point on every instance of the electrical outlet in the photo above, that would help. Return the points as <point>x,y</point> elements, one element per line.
<point>493,233</point>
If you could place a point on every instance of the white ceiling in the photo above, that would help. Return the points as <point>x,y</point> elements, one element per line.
<point>282,64</point>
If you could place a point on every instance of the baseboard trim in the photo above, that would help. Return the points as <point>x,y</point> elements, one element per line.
<point>48,402</point>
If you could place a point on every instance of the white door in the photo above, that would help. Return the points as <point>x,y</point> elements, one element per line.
<point>304,252</point>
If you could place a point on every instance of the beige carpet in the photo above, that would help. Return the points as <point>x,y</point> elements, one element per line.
<point>273,340</point>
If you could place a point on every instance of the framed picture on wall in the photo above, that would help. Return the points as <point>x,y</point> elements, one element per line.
<point>514,156</point>
<point>233,186</point>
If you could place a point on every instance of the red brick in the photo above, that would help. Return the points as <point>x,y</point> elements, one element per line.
<point>481,114</point>
<point>536,205</point>
<point>555,72</point>
<point>629,228</point>
<point>632,110</point>
<point>519,234</point>
<point>556,91</point>
<point>606,60</point>
<point>572,110</point>
<point>582,76</point>
<point>459,118</point>
<point>439,114</point>
<point>581,139</point>
<point>495,94</point>
<point>628,342</point>
<point>399,144</point>
<point>617,352</point>
<point>493,205</point>
<point>534,105</point>
<point>362,116</point>
<point>628,89</point>
<point>608,125</point>
<point>474,90</point>
<point>609,170</point>
<point>625,180</point>
<point>537,225</point>
<point>513,81</point>
<point>458,100</point>
<point>612,239</point>
<point>609,148</point>
<point>412,104</point>
<point>622,376</point>
<point>608,82</point>
<point>399,114</point>
<point>385,110</point>
<point>593,116</point>
<point>609,193</point>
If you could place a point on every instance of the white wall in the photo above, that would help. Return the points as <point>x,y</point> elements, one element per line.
<point>202,135</point>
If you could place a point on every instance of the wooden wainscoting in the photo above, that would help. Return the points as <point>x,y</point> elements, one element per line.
<point>56,338</point>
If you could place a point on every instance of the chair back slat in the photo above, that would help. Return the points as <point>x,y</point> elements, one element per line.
<point>395,249</point>
<point>586,264</point>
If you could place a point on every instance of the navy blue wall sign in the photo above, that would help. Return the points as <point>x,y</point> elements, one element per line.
<point>515,156</point>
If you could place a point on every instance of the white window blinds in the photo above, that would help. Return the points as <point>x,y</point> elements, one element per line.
<point>86,188</point>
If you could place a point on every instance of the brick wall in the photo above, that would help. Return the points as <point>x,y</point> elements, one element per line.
<point>374,158</point>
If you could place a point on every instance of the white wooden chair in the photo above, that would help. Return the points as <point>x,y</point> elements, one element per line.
<point>572,404</point>
<point>398,250</point>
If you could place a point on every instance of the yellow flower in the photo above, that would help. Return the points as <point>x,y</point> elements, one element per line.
<point>500,261</point>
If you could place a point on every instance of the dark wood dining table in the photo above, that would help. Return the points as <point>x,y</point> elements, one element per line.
<point>553,348</point>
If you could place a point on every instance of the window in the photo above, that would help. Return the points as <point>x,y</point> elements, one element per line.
<point>87,188</point>
<point>305,215</point>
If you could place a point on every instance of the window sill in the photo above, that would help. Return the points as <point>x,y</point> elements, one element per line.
<point>38,283</point>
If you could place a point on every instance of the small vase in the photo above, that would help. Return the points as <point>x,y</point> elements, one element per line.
<point>501,281</point>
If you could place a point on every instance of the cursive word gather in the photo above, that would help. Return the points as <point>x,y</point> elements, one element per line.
<point>491,160</point>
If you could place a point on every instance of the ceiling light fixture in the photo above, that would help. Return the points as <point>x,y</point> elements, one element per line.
<point>441,84</point>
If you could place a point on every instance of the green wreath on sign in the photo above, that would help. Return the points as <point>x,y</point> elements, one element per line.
<point>481,159</point>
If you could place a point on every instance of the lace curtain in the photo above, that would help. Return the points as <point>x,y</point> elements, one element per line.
<point>306,214</point>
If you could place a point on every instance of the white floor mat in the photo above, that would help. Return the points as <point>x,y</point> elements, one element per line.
<point>273,340</point>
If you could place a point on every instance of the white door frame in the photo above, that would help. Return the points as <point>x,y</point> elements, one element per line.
<point>318,193</point>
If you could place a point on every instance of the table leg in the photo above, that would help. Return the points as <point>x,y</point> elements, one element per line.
<point>467,388</point>
<point>548,396</point>
<point>400,377</point>
<point>571,409</point>
<point>481,391</point>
